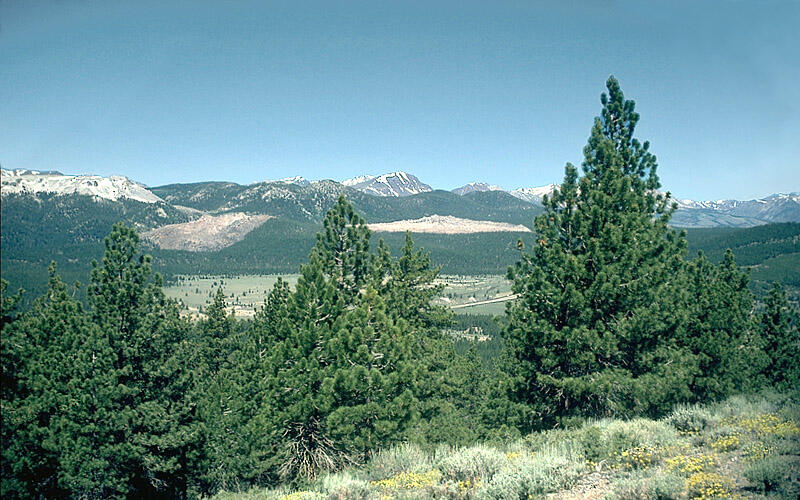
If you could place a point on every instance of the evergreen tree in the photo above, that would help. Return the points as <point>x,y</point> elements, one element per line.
<point>720,331</point>
<point>154,429</point>
<point>217,330</point>
<point>8,304</point>
<point>779,329</point>
<point>342,249</point>
<point>594,326</point>
<point>10,361</point>
<point>409,284</point>
<point>38,351</point>
<point>342,373</point>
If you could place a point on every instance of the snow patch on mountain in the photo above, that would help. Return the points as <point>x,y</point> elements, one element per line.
<point>393,184</point>
<point>533,194</point>
<point>112,188</point>
<point>781,207</point>
<point>360,179</point>
<point>473,187</point>
<point>297,179</point>
<point>447,224</point>
<point>734,204</point>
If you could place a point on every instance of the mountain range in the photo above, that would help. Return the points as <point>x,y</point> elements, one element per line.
<point>307,198</point>
<point>265,227</point>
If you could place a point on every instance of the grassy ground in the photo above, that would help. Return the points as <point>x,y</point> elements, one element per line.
<point>746,447</point>
<point>246,293</point>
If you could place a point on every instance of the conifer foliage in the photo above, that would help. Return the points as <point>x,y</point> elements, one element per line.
<point>780,328</point>
<point>99,408</point>
<point>596,313</point>
<point>343,375</point>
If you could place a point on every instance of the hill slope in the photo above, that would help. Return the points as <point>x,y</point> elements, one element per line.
<point>741,448</point>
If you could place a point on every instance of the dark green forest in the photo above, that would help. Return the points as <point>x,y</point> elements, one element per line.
<point>121,396</point>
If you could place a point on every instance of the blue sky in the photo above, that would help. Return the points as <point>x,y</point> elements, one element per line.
<point>501,92</point>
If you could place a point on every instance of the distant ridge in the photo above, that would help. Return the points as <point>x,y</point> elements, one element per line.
<point>393,184</point>
<point>472,187</point>
<point>113,188</point>
<point>307,197</point>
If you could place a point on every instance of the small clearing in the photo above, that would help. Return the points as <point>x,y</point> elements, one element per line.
<point>447,224</point>
<point>206,234</point>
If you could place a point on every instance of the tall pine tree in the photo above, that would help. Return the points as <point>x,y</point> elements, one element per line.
<point>342,374</point>
<point>154,430</point>
<point>592,330</point>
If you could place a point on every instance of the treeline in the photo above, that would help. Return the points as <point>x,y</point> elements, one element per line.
<point>124,397</point>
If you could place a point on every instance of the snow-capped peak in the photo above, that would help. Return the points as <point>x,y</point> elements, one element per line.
<point>533,194</point>
<point>358,180</point>
<point>113,188</point>
<point>476,186</point>
<point>732,204</point>
<point>297,179</point>
<point>393,184</point>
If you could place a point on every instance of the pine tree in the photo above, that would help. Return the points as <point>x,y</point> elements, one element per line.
<point>409,284</point>
<point>217,332</point>
<point>342,249</point>
<point>593,327</point>
<point>10,361</point>
<point>779,330</point>
<point>342,370</point>
<point>39,348</point>
<point>720,331</point>
<point>149,340</point>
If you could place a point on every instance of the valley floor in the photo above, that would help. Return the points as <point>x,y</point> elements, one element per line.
<point>480,294</point>
<point>745,447</point>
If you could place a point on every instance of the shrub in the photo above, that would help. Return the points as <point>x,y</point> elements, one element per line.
<point>705,485</point>
<point>469,464</point>
<point>409,480</point>
<point>689,419</point>
<point>624,434</point>
<point>688,465</point>
<point>551,469</point>
<point>648,486</point>
<point>768,474</point>
<point>406,457</point>
<point>344,486</point>
<point>303,495</point>
<point>638,457</point>
<point>727,443</point>
<point>742,406</point>
<point>253,494</point>
<point>723,438</point>
<point>609,439</point>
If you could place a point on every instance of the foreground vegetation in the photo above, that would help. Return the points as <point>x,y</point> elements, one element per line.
<point>745,447</point>
<point>125,397</point>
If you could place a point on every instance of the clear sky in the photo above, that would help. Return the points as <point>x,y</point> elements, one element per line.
<point>501,92</point>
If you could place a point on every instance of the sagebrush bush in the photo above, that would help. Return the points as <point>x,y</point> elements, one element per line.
<point>689,418</point>
<point>405,457</point>
<point>549,470</point>
<point>768,474</point>
<point>626,434</point>
<point>648,485</point>
<point>478,462</point>
<point>743,406</point>
<point>344,486</point>
<point>254,494</point>
<point>606,438</point>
